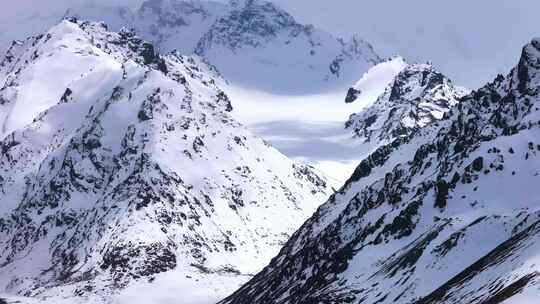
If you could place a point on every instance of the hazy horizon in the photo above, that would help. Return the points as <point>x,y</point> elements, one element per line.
<point>470,41</point>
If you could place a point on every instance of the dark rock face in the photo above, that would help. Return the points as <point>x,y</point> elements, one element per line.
<point>66,96</point>
<point>250,25</point>
<point>528,66</point>
<point>150,56</point>
<point>352,95</point>
<point>152,103</point>
<point>423,218</point>
<point>223,98</point>
<point>116,260</point>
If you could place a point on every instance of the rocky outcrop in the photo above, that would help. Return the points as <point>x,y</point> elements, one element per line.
<point>418,96</point>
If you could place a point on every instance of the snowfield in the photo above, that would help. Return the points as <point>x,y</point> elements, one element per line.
<point>311,128</point>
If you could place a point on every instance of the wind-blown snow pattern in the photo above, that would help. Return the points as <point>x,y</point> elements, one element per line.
<point>446,214</point>
<point>122,169</point>
<point>374,82</point>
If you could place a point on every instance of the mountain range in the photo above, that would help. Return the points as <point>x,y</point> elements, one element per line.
<point>242,38</point>
<point>127,174</point>
<point>447,213</point>
<point>278,70</point>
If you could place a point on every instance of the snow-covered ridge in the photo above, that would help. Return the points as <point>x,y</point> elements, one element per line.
<point>26,70</point>
<point>127,171</point>
<point>418,96</point>
<point>447,214</point>
<point>376,79</point>
<point>260,38</point>
<point>247,38</point>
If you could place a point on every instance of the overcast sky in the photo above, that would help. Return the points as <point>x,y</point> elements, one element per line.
<point>470,40</point>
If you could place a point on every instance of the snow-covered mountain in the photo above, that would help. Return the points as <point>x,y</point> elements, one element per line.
<point>122,171</point>
<point>446,214</point>
<point>255,44</point>
<point>177,24</point>
<point>418,96</point>
<point>259,38</point>
<point>278,70</point>
<point>168,24</point>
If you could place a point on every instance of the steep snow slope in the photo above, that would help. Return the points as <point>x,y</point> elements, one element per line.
<point>375,80</point>
<point>446,214</point>
<point>121,169</point>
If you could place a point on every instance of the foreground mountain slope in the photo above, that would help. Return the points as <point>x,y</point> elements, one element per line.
<point>119,166</point>
<point>447,214</point>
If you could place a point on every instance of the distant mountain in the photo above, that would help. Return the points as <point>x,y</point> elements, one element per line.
<point>447,213</point>
<point>177,25</point>
<point>260,45</point>
<point>254,44</point>
<point>120,167</point>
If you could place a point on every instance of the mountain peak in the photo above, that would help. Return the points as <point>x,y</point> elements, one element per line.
<point>420,81</point>
<point>259,37</point>
<point>528,69</point>
<point>418,96</point>
<point>250,24</point>
<point>127,165</point>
